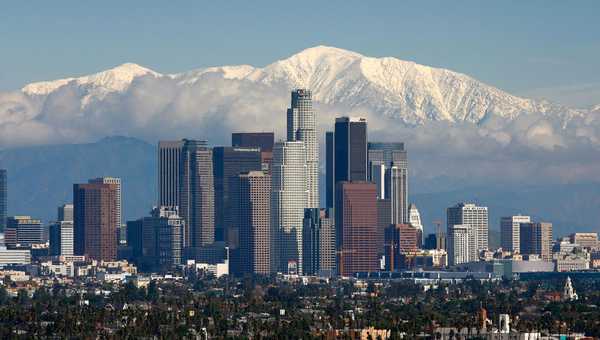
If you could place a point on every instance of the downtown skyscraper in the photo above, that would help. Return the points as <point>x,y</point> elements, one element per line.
<point>388,168</point>
<point>289,198</point>
<point>197,193</point>
<point>186,181</point>
<point>302,126</point>
<point>476,219</point>
<point>94,227</point>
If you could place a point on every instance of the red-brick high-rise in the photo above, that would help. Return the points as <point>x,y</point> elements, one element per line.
<point>356,225</point>
<point>95,213</point>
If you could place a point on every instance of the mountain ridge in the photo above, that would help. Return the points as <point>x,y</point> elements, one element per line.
<point>402,90</point>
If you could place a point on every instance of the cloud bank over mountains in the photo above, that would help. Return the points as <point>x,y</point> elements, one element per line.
<point>453,125</point>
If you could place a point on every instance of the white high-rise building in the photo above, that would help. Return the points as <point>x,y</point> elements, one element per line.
<point>414,217</point>
<point>289,198</point>
<point>476,218</point>
<point>459,244</point>
<point>510,235</point>
<point>302,126</point>
<point>117,182</point>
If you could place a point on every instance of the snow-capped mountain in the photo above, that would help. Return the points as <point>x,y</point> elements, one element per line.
<point>390,87</point>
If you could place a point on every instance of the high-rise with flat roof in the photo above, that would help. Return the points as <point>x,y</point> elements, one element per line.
<point>302,126</point>
<point>94,216</point>
<point>228,164</point>
<point>262,140</point>
<point>117,183</point>
<point>23,231</point>
<point>253,218</point>
<point>510,232</point>
<point>61,238</point>
<point>476,217</point>
<point>65,212</point>
<point>356,227</point>
<point>400,239</point>
<point>3,198</point>
<point>536,239</point>
<point>289,198</point>
<point>388,168</point>
<point>459,244</point>
<point>169,163</point>
<point>350,143</point>
<point>197,193</point>
<point>585,240</point>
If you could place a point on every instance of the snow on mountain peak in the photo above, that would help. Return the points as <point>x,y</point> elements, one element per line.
<point>388,86</point>
<point>116,79</point>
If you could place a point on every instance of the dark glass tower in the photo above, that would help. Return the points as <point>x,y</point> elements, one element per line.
<point>350,149</point>
<point>228,164</point>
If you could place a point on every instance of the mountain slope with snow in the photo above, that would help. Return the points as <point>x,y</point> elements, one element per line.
<point>389,87</point>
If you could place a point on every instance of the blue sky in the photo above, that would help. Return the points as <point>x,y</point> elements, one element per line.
<point>545,49</point>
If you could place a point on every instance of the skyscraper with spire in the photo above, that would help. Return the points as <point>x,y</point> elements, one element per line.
<point>302,126</point>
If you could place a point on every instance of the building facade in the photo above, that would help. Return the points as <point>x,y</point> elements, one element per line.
<point>162,238</point>
<point>329,169</point>
<point>302,126</point>
<point>400,239</point>
<point>459,244</point>
<point>23,231</point>
<point>476,217</point>
<point>262,140</point>
<point>388,168</point>
<point>228,164</point>
<point>536,239</point>
<point>197,193</point>
<point>169,163</point>
<point>253,218</point>
<point>117,183</point>
<point>356,227</point>
<point>510,232</point>
<point>318,242</point>
<point>65,212</point>
<point>94,216</point>
<point>289,198</point>
<point>61,238</point>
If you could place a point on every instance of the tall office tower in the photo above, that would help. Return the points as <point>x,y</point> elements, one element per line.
<point>289,198</point>
<point>302,126</point>
<point>400,239</point>
<point>388,168</point>
<point>134,238</point>
<point>23,231</point>
<point>414,217</point>
<point>510,232</point>
<point>253,218</point>
<point>61,238</point>
<point>585,240</point>
<point>117,182</point>
<point>536,239</point>
<point>3,198</point>
<point>459,244</point>
<point>329,169</point>
<point>477,218</point>
<point>65,212</point>
<point>262,140</point>
<point>350,145</point>
<point>162,239</point>
<point>94,216</point>
<point>228,164</point>
<point>169,163</point>
<point>197,193</point>
<point>318,243</point>
<point>356,227</point>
